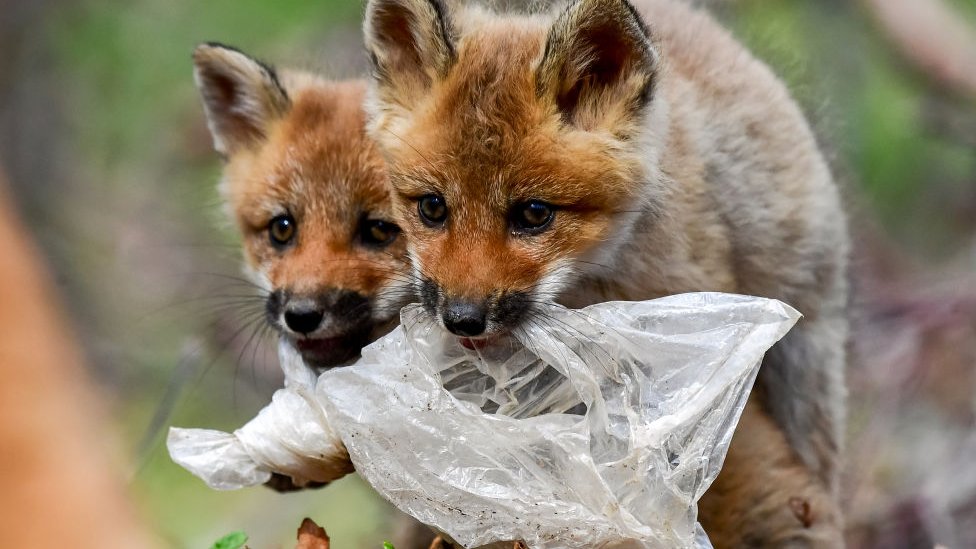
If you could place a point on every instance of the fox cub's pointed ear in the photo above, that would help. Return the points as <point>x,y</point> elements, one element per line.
<point>409,43</point>
<point>241,96</point>
<point>599,66</point>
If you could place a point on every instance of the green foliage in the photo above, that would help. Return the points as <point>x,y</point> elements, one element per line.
<point>133,59</point>
<point>877,116</point>
<point>233,540</point>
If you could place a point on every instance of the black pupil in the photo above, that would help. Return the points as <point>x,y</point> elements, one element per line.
<point>282,229</point>
<point>536,214</point>
<point>433,209</point>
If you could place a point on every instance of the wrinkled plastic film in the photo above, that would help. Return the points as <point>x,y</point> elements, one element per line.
<point>291,436</point>
<point>662,383</point>
<point>599,427</point>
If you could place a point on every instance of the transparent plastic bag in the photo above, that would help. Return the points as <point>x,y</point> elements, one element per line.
<point>592,428</point>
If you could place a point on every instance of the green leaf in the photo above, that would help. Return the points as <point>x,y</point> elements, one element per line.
<point>387,545</point>
<point>233,540</point>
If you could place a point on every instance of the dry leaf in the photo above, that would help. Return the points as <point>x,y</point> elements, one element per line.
<point>312,536</point>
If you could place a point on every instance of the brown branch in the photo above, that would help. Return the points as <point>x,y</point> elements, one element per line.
<point>933,37</point>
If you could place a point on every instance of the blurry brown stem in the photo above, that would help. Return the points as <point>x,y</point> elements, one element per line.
<point>933,37</point>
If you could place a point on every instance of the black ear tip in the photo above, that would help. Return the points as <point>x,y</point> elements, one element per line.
<point>637,17</point>
<point>220,45</point>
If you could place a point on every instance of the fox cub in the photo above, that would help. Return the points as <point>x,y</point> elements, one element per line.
<point>309,194</point>
<point>610,151</point>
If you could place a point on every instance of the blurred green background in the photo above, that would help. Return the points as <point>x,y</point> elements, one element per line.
<point>103,138</point>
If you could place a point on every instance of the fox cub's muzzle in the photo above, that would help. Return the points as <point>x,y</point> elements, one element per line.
<point>496,313</point>
<point>331,312</point>
<point>328,327</point>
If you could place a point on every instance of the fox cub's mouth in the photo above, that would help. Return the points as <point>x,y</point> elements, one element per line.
<point>329,352</point>
<point>474,344</point>
<point>328,328</point>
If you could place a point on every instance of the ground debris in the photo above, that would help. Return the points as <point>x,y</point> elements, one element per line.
<point>312,536</point>
<point>440,543</point>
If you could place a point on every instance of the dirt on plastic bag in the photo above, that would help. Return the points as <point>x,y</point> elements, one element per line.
<point>598,427</point>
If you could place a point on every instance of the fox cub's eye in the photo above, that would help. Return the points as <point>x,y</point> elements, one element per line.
<point>532,216</point>
<point>433,209</point>
<point>281,230</point>
<point>376,232</point>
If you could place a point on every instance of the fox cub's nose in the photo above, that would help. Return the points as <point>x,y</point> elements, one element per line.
<point>464,318</point>
<point>303,317</point>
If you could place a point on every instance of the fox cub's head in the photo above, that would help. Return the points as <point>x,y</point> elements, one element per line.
<point>515,145</point>
<point>308,192</point>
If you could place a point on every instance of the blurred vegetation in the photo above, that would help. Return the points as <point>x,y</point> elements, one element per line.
<point>885,122</point>
<point>135,229</point>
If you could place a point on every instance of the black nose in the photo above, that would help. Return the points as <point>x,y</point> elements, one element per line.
<point>464,318</point>
<point>303,318</point>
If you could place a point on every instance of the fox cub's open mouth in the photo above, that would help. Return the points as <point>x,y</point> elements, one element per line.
<point>329,352</point>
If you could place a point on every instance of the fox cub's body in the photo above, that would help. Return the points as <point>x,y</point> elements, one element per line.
<point>308,191</point>
<point>606,152</point>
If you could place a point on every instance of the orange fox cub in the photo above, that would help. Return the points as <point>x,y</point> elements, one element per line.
<point>610,150</point>
<point>308,191</point>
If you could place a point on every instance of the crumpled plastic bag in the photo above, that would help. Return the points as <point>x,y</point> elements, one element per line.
<point>598,427</point>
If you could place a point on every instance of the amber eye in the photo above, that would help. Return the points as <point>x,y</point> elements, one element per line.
<point>532,216</point>
<point>281,230</point>
<point>433,209</point>
<point>376,232</point>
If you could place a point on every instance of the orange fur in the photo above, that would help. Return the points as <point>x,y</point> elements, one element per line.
<point>318,164</point>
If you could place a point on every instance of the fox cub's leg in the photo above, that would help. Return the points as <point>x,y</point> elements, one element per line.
<point>778,485</point>
<point>764,496</point>
<point>801,385</point>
